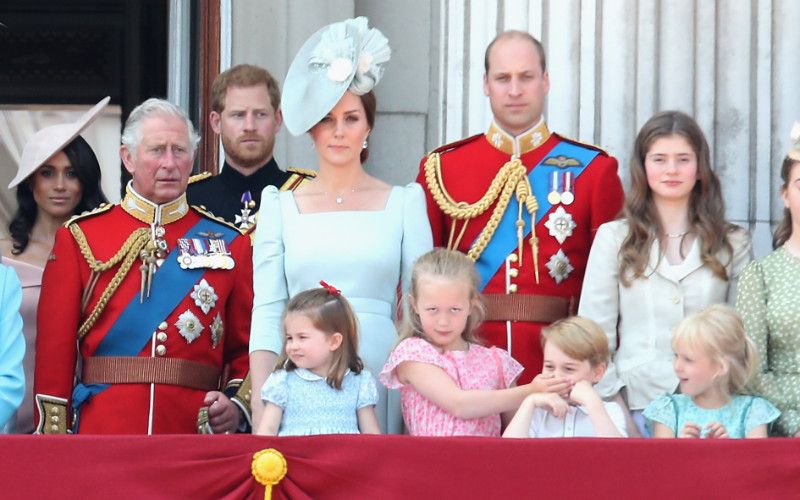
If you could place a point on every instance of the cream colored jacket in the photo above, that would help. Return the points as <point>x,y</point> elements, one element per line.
<point>638,320</point>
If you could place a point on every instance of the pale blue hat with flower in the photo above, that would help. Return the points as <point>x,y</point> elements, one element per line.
<point>348,55</point>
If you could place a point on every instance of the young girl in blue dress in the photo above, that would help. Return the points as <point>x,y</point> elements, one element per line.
<point>714,361</point>
<point>319,385</point>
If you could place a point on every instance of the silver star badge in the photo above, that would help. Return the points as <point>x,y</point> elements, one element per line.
<point>204,296</point>
<point>246,220</point>
<point>560,224</point>
<point>217,331</point>
<point>559,266</point>
<point>189,326</point>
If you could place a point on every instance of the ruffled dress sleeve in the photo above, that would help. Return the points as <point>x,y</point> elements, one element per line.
<point>411,349</point>
<point>367,390</point>
<point>663,410</point>
<point>760,412</point>
<point>511,367</point>
<point>276,389</point>
<point>269,275</point>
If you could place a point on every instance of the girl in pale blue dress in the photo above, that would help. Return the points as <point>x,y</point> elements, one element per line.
<point>714,361</point>
<point>345,226</point>
<point>323,387</point>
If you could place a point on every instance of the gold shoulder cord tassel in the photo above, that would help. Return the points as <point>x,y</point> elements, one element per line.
<point>127,255</point>
<point>511,179</point>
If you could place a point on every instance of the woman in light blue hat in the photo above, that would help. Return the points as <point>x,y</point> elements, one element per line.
<point>346,226</point>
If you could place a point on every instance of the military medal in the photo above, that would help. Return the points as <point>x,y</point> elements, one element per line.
<point>553,197</point>
<point>204,296</point>
<point>559,266</point>
<point>567,196</point>
<point>217,331</point>
<point>199,253</point>
<point>246,220</point>
<point>560,224</point>
<point>189,326</point>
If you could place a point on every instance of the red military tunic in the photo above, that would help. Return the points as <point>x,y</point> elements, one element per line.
<point>214,339</point>
<point>467,169</point>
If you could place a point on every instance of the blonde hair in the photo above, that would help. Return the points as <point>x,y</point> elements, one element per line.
<point>451,265</point>
<point>330,313</point>
<point>579,338</point>
<point>719,332</point>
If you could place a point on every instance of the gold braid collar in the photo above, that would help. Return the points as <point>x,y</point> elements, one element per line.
<point>127,255</point>
<point>512,178</point>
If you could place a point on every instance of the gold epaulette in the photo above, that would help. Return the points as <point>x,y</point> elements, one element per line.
<point>104,207</point>
<point>53,417</point>
<point>298,177</point>
<point>208,215</point>
<point>200,177</point>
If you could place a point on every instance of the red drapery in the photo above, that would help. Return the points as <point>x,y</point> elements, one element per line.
<point>212,467</point>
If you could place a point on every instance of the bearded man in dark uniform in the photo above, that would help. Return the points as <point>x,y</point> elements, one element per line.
<point>245,102</point>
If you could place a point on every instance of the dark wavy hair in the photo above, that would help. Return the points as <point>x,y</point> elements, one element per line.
<point>87,169</point>
<point>706,205</point>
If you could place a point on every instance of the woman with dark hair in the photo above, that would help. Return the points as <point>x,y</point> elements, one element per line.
<point>58,177</point>
<point>769,303</point>
<point>671,253</point>
<point>345,226</point>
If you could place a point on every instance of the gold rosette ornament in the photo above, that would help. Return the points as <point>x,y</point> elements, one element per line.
<point>268,467</point>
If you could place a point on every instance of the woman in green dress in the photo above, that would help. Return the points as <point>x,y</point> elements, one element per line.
<point>769,302</point>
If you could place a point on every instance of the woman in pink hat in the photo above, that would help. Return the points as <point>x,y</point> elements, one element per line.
<point>58,177</point>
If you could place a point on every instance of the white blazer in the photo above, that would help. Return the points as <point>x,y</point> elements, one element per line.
<point>638,320</point>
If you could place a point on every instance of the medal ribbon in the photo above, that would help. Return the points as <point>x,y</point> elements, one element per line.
<point>135,325</point>
<point>505,240</point>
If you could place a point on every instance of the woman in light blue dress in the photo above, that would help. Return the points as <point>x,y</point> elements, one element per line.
<point>345,227</point>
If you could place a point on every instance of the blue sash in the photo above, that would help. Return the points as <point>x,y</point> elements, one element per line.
<point>504,240</point>
<point>135,325</point>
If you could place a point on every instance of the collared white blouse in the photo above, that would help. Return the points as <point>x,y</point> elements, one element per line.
<point>638,319</point>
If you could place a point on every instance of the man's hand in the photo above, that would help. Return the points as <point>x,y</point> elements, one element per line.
<point>223,415</point>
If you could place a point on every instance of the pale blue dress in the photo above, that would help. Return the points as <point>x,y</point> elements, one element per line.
<point>311,406</point>
<point>365,254</point>
<point>12,347</point>
<point>739,416</point>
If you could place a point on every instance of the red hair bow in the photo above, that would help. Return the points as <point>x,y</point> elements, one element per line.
<point>331,289</point>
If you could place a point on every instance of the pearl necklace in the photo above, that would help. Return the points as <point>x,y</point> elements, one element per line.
<point>676,235</point>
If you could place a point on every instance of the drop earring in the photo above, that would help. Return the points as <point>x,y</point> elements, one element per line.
<point>365,145</point>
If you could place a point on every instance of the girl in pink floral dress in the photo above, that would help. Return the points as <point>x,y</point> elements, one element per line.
<point>449,383</point>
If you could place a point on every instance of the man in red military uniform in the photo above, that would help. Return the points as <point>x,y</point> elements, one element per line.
<point>485,192</point>
<point>154,298</point>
